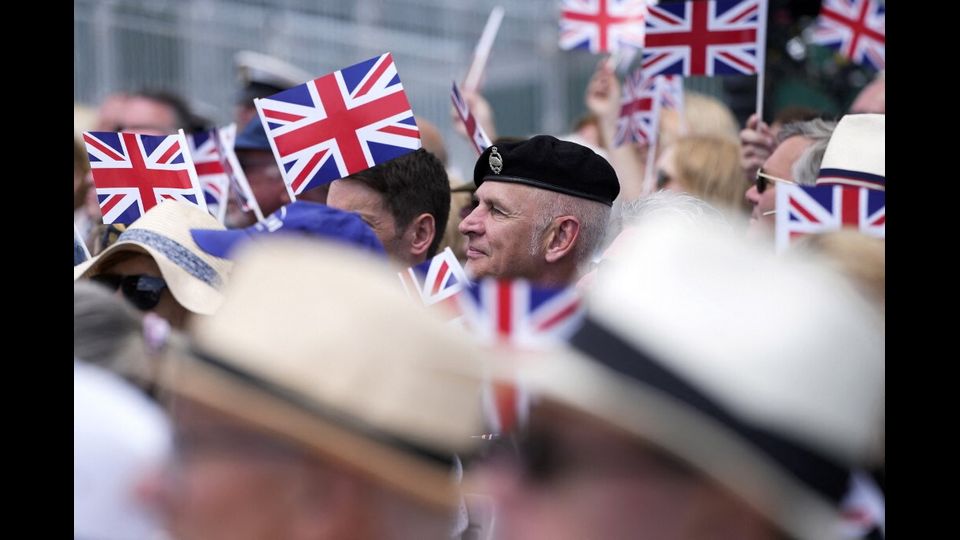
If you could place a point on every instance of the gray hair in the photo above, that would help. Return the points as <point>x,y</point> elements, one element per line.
<point>672,203</point>
<point>807,166</point>
<point>592,215</point>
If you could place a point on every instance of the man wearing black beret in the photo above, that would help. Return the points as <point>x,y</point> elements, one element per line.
<point>543,207</point>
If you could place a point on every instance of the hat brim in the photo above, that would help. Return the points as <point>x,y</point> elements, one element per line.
<point>401,472</point>
<point>190,292</point>
<point>574,380</point>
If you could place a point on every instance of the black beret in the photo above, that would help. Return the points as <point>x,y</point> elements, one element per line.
<point>546,162</point>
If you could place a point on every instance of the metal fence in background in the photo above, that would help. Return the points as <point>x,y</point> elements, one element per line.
<point>187,46</point>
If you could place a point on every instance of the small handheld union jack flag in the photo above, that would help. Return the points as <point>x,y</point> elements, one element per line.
<point>602,25</point>
<point>211,173</point>
<point>855,28</point>
<point>475,132</point>
<point>705,37</point>
<point>436,280</point>
<point>133,173</point>
<point>638,114</point>
<point>339,124</point>
<point>516,314</point>
<point>803,210</point>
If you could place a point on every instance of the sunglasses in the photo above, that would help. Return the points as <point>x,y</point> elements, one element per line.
<point>764,179</point>
<point>142,291</point>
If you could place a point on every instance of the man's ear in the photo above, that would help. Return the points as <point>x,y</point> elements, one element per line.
<point>561,238</point>
<point>421,231</point>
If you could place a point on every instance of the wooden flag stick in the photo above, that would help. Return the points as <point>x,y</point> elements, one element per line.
<point>761,55</point>
<point>482,52</point>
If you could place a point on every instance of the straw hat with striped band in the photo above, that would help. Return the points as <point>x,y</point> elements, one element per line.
<point>195,277</point>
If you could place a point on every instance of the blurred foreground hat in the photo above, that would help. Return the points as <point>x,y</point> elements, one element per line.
<point>856,153</point>
<point>119,436</point>
<point>320,346</point>
<point>772,387</point>
<point>194,277</point>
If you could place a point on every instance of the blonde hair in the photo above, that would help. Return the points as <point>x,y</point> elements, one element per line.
<point>860,258</point>
<point>708,167</point>
<point>703,115</point>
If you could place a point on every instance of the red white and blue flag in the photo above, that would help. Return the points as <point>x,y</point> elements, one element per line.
<point>671,92</point>
<point>855,28</point>
<point>475,132</point>
<point>133,173</point>
<point>515,314</point>
<point>436,280</point>
<point>705,37</point>
<point>602,25</point>
<point>339,124</point>
<point>638,117</point>
<point>803,210</point>
<point>209,164</point>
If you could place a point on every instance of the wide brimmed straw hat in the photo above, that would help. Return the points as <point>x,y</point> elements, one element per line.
<point>195,277</point>
<point>764,374</point>
<point>317,344</point>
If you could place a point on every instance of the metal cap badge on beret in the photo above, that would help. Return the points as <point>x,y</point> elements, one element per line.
<point>546,162</point>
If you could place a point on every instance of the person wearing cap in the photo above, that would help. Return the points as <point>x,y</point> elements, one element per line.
<point>695,402</point>
<point>318,403</point>
<point>157,267</point>
<point>406,201</point>
<point>542,209</point>
<point>299,217</point>
<point>260,76</point>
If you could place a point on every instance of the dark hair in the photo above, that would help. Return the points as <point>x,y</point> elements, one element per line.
<point>182,113</point>
<point>412,184</point>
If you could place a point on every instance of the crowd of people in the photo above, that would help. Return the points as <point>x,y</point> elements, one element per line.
<point>270,379</point>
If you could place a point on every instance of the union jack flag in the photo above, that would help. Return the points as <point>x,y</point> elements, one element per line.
<point>671,92</point>
<point>437,280</point>
<point>708,37</point>
<point>209,164</point>
<point>602,25</point>
<point>339,124</point>
<point>803,210</point>
<point>638,111</point>
<point>516,314</point>
<point>133,173</point>
<point>855,28</point>
<point>474,130</point>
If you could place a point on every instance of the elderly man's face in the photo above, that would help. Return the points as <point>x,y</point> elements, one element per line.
<point>780,165</point>
<point>500,231</point>
<point>576,477</point>
<point>229,481</point>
